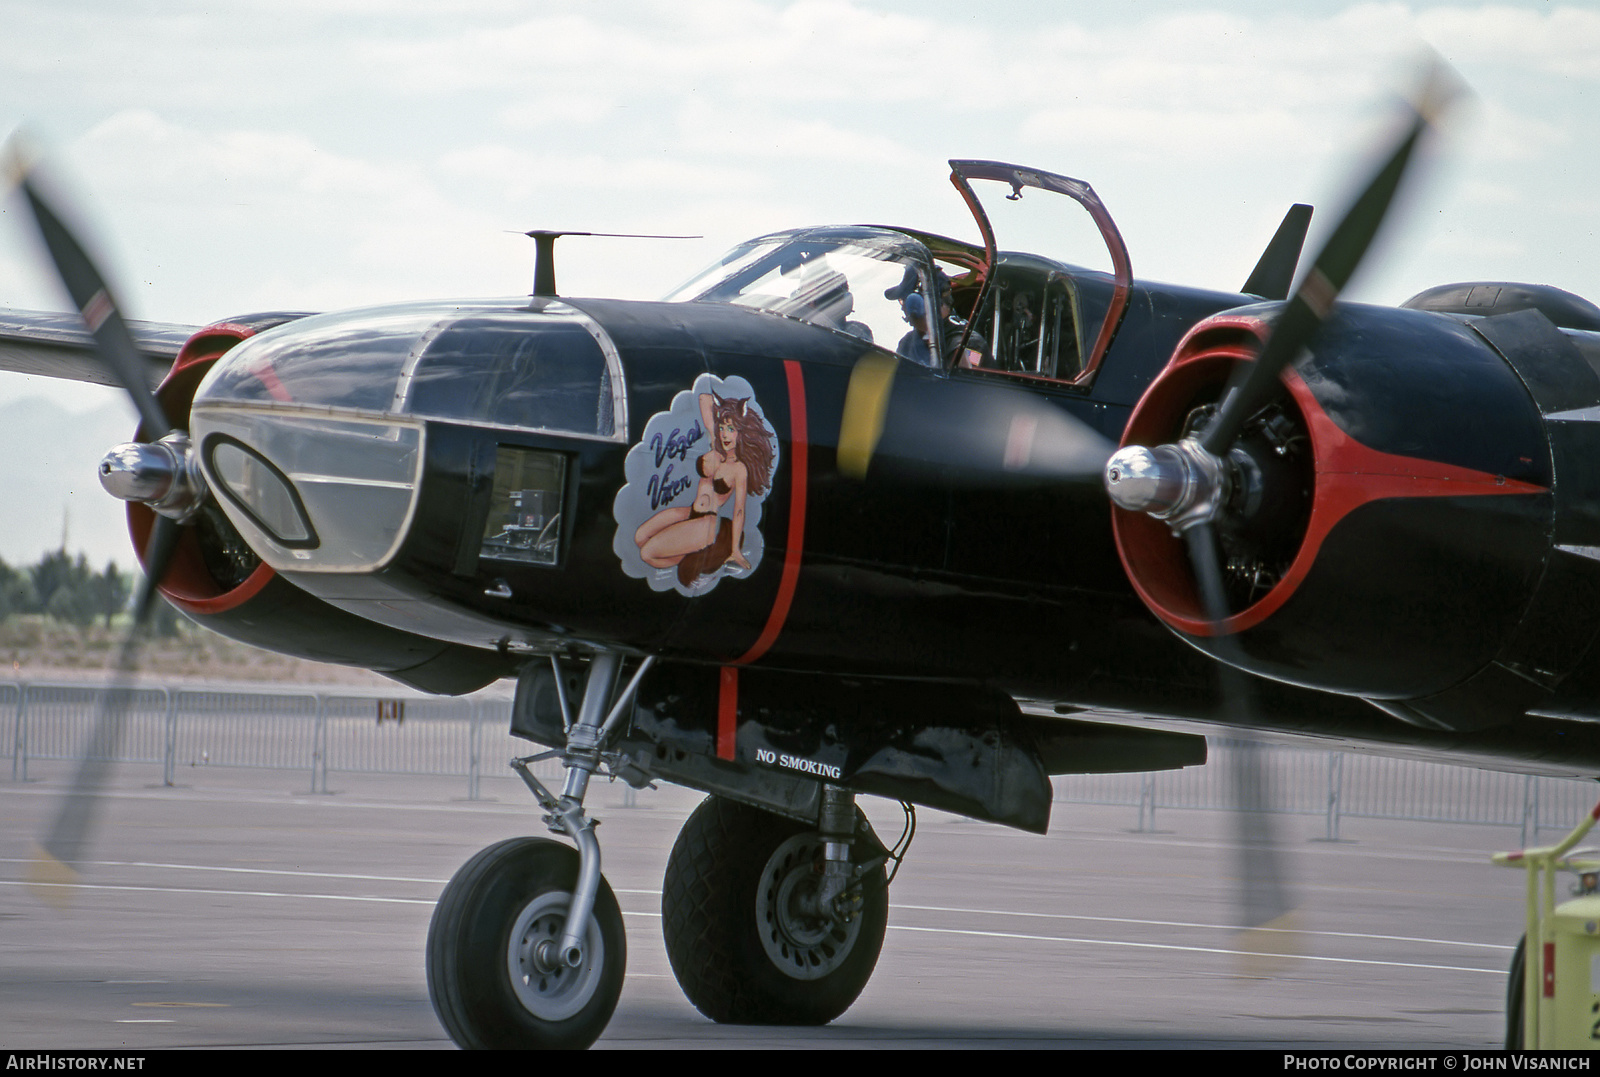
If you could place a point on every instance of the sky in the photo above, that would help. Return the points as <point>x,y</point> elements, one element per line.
<point>237,155</point>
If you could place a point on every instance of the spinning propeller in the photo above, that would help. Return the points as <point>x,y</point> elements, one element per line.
<point>1197,486</point>
<point>159,471</point>
<point>1192,485</point>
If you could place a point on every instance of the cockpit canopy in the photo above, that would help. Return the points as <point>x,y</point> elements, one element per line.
<point>868,282</point>
<point>543,366</point>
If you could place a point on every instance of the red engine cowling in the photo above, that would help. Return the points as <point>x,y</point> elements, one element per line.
<point>1389,531</point>
<point>217,581</point>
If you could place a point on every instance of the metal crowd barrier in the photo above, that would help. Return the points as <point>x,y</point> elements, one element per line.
<point>317,732</point>
<point>332,731</point>
<point>1340,785</point>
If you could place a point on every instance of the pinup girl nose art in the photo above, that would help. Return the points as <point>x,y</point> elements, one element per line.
<point>690,512</point>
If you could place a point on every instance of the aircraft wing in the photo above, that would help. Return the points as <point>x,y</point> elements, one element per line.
<point>58,345</point>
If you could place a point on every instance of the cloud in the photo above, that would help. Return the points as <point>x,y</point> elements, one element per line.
<point>1560,40</point>
<point>249,203</point>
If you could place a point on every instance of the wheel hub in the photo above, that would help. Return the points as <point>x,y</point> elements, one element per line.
<point>543,983</point>
<point>800,942</point>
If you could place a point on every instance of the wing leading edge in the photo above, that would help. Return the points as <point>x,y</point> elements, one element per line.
<point>57,345</point>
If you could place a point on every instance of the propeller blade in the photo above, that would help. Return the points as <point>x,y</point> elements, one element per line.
<point>1265,903</point>
<point>89,291</point>
<point>976,433</point>
<point>158,554</point>
<point>67,841</point>
<point>1265,899</point>
<point>1313,301</point>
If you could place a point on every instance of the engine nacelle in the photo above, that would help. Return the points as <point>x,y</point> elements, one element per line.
<point>1408,522</point>
<point>216,580</point>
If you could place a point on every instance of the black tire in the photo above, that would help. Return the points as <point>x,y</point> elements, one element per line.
<point>740,953</point>
<point>484,988</point>
<point>1514,1014</point>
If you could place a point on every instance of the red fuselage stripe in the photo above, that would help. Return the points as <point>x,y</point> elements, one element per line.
<point>798,480</point>
<point>727,711</point>
<point>728,693</point>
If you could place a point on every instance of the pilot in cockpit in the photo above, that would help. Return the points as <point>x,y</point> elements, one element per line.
<point>914,308</point>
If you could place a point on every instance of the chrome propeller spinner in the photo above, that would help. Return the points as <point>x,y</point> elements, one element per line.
<point>1180,484</point>
<point>165,475</point>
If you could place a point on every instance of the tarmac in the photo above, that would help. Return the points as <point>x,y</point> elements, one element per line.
<point>237,910</point>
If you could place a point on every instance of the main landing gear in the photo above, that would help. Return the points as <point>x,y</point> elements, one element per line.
<point>767,920</point>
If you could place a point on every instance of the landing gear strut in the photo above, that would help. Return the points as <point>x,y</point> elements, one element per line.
<point>526,948</point>
<point>771,921</point>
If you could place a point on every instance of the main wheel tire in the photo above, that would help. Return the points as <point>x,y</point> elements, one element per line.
<point>1514,999</point>
<point>741,950</point>
<point>485,979</point>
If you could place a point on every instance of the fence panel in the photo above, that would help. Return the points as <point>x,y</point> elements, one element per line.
<point>240,728</point>
<point>1382,788</point>
<point>60,722</point>
<point>359,733</point>
<point>11,726</point>
<point>383,735</point>
<point>1309,781</point>
<point>1563,801</point>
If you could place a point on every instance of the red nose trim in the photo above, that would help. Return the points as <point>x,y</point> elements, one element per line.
<point>727,711</point>
<point>187,584</point>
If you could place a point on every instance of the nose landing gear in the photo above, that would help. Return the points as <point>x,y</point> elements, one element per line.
<point>490,974</point>
<point>526,948</point>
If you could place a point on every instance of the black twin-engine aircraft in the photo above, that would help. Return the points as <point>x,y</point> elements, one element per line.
<point>846,514</point>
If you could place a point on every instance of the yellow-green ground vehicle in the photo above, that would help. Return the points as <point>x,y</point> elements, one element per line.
<point>1559,1005</point>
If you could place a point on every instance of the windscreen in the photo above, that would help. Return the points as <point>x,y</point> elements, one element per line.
<point>857,281</point>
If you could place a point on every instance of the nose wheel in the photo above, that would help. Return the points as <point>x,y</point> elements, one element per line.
<point>526,949</point>
<point>495,971</point>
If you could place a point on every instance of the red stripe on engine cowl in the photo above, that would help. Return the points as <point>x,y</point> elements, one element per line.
<point>1348,476</point>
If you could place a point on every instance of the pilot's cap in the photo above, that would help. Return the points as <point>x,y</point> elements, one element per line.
<point>907,286</point>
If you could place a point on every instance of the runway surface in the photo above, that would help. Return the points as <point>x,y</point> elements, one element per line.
<point>236,910</point>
